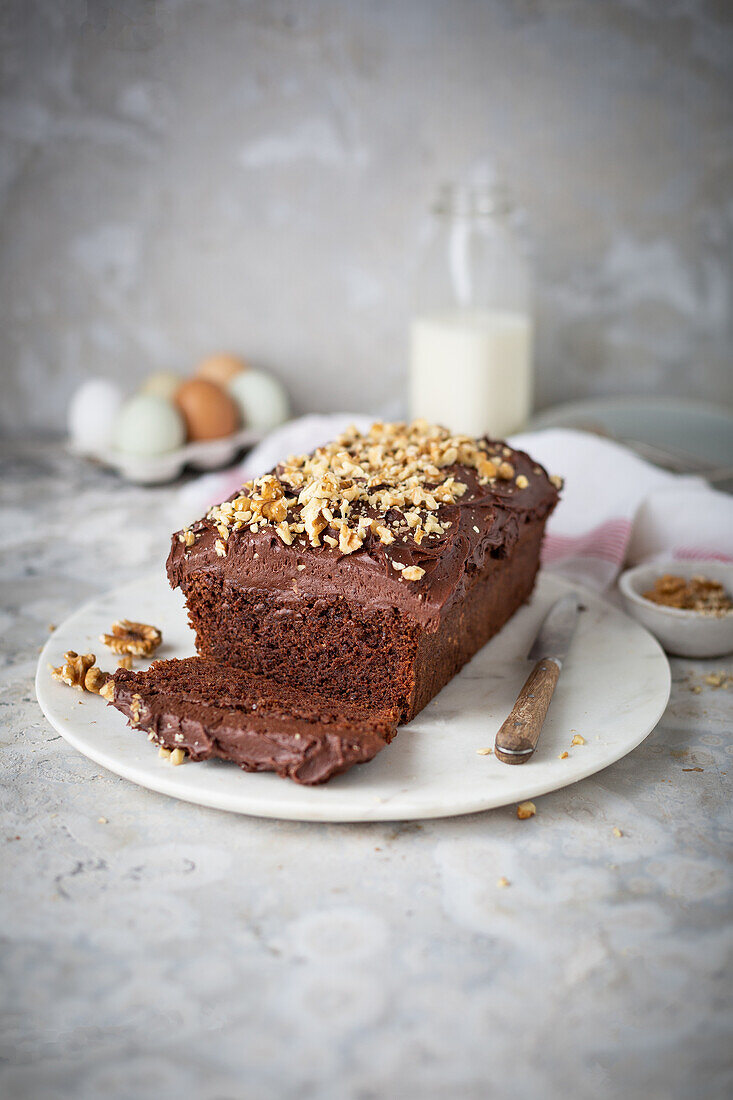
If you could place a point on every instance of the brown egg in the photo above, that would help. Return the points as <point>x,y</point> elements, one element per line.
<point>208,410</point>
<point>220,368</point>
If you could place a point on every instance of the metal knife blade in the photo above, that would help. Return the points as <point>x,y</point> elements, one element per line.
<point>556,633</point>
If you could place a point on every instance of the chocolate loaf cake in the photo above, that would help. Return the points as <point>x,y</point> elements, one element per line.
<point>213,710</point>
<point>370,570</point>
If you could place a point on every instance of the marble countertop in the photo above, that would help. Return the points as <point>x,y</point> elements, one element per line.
<point>158,949</point>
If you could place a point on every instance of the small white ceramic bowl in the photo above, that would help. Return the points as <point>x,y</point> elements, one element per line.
<point>683,633</point>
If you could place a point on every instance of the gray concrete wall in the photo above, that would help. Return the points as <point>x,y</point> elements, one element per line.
<point>182,176</point>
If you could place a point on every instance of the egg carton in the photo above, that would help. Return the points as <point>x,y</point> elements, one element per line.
<point>210,454</point>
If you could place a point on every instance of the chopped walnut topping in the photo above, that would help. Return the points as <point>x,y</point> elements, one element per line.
<point>578,740</point>
<point>383,533</point>
<point>413,573</point>
<point>525,810</point>
<point>503,882</point>
<point>349,540</point>
<point>521,482</point>
<point>563,756</point>
<point>616,831</point>
<point>177,757</point>
<point>485,467</point>
<point>433,526</point>
<point>285,534</point>
<point>557,481</point>
<point>187,537</point>
<point>139,639</point>
<point>384,484</point>
<point>221,550</point>
<point>135,706</point>
<point>484,752</point>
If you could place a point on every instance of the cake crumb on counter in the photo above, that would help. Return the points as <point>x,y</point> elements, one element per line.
<point>718,680</point>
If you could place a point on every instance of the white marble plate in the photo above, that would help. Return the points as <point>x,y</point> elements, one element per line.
<point>612,691</point>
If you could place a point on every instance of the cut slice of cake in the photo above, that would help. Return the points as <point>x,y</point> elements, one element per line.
<point>213,710</point>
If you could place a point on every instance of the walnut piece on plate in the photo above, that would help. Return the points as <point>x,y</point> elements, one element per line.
<point>79,671</point>
<point>137,639</point>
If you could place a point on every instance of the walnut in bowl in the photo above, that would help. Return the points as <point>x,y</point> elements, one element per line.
<point>699,629</point>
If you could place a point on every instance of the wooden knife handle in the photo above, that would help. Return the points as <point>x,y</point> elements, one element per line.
<point>517,738</point>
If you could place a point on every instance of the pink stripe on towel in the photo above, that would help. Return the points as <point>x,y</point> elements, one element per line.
<point>607,541</point>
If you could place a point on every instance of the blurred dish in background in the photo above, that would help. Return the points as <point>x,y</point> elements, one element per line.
<point>686,437</point>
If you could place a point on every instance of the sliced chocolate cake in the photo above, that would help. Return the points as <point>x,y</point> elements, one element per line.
<point>211,710</point>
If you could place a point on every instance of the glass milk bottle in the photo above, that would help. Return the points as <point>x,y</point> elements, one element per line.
<point>471,334</point>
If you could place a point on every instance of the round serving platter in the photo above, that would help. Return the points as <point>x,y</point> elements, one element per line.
<point>612,691</point>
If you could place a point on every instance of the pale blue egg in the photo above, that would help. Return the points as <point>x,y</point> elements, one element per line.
<point>262,400</point>
<point>149,425</point>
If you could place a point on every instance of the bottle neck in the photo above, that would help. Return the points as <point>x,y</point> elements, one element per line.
<point>475,260</point>
<point>482,203</point>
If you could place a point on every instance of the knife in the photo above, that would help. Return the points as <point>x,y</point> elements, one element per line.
<point>517,739</point>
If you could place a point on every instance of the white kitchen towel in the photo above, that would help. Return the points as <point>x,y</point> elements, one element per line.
<point>615,507</point>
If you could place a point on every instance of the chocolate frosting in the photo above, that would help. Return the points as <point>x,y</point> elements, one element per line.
<point>485,521</point>
<point>211,710</point>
